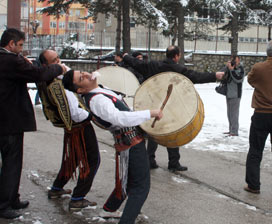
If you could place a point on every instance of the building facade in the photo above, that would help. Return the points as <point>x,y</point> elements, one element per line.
<point>3,15</point>
<point>254,39</point>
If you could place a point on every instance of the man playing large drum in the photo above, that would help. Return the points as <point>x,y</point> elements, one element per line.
<point>170,64</point>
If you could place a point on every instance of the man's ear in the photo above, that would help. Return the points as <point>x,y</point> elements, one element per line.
<point>11,43</point>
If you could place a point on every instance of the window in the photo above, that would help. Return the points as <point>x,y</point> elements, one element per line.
<point>61,25</point>
<point>71,12</point>
<point>210,38</point>
<point>72,25</point>
<point>3,21</point>
<point>77,12</point>
<point>90,26</point>
<point>81,25</point>
<point>53,24</point>
<point>108,21</point>
<point>132,22</point>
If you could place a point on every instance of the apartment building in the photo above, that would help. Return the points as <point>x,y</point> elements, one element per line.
<point>66,23</point>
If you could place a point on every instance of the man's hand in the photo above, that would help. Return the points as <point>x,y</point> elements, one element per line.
<point>219,75</point>
<point>156,113</point>
<point>64,67</point>
<point>28,60</point>
<point>230,66</point>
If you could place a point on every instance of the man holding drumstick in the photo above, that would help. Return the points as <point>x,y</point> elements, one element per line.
<point>148,69</point>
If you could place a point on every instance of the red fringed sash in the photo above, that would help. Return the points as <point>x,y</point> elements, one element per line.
<point>75,153</point>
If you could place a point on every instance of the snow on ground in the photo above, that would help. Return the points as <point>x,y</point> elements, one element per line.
<point>211,137</point>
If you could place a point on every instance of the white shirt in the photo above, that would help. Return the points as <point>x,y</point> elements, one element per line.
<point>77,114</point>
<point>104,108</point>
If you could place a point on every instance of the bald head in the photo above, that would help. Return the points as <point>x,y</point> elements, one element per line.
<point>172,52</point>
<point>49,57</point>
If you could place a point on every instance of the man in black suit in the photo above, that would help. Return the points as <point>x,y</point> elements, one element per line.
<point>16,115</point>
<point>148,69</point>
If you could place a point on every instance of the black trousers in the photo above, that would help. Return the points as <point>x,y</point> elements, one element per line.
<point>11,147</point>
<point>173,153</point>
<point>83,185</point>
<point>261,126</point>
<point>137,188</point>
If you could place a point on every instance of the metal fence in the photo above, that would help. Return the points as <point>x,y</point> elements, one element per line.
<point>35,44</point>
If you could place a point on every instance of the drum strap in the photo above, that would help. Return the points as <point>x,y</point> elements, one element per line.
<point>117,92</point>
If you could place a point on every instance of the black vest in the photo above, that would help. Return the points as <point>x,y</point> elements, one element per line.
<point>119,104</point>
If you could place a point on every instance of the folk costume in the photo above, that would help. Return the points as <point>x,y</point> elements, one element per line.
<point>110,112</point>
<point>16,117</point>
<point>80,149</point>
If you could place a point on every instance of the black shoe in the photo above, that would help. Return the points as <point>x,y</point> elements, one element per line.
<point>153,164</point>
<point>20,204</point>
<point>177,168</point>
<point>9,214</point>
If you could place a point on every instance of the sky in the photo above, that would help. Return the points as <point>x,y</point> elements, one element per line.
<point>211,137</point>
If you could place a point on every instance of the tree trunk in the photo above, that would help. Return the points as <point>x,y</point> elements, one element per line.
<point>234,34</point>
<point>118,28</point>
<point>126,26</point>
<point>181,21</point>
<point>175,30</point>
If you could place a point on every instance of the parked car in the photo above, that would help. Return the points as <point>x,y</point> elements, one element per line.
<point>110,56</point>
<point>105,57</point>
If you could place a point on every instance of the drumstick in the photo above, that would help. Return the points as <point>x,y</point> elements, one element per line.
<point>169,91</point>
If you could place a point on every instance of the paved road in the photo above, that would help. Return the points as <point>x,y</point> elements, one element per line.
<point>210,192</point>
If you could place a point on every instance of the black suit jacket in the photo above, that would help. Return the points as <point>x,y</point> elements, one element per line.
<point>148,69</point>
<point>16,110</point>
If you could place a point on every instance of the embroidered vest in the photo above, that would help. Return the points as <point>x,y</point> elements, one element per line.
<point>55,104</point>
<point>125,137</point>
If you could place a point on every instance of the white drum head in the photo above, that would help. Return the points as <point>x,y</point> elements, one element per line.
<point>180,109</point>
<point>119,79</point>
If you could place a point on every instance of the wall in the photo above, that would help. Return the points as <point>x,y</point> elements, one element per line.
<point>215,62</point>
<point>200,62</point>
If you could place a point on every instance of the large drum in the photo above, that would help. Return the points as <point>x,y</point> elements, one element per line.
<point>119,79</point>
<point>183,114</point>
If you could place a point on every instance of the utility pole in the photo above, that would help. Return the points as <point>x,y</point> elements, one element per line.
<point>14,14</point>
